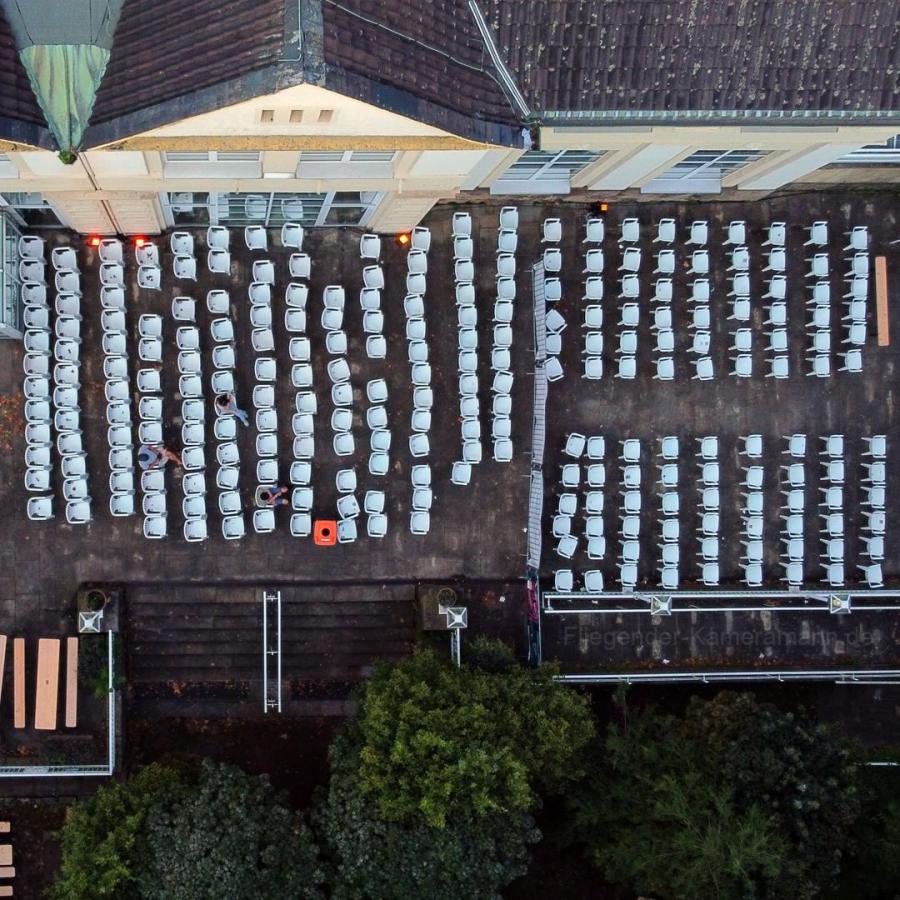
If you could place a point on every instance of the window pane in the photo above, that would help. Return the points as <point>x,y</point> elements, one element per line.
<point>321,156</point>
<point>344,215</point>
<point>238,156</point>
<point>186,156</point>
<point>372,156</point>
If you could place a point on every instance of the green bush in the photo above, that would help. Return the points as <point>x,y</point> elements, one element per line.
<point>489,656</point>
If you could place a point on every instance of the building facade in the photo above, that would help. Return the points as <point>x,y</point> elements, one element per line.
<point>361,113</point>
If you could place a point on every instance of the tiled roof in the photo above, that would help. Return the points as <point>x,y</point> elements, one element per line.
<point>424,60</point>
<point>17,100</point>
<point>665,55</point>
<point>166,49</point>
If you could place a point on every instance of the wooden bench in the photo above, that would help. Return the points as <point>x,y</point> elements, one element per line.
<point>881,301</point>
<point>2,661</point>
<point>19,682</point>
<point>7,872</point>
<point>6,891</point>
<point>71,682</point>
<point>4,827</point>
<point>5,854</point>
<point>47,687</point>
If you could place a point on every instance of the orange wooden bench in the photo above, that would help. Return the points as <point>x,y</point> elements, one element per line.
<point>2,661</point>
<point>881,301</point>
<point>47,687</point>
<point>71,682</point>
<point>19,682</point>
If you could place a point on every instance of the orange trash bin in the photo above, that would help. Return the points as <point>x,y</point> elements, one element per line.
<point>325,532</point>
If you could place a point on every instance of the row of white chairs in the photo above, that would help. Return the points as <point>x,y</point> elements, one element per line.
<point>38,409</point>
<point>154,499</point>
<point>855,303</point>
<point>265,416</point>
<point>306,406</point>
<point>417,351</point>
<point>501,348</point>
<point>670,523</point>
<point>218,304</point>
<point>149,276</point>
<point>193,433</point>
<point>752,509</point>
<point>376,390</point>
<point>40,418</point>
<point>593,316</point>
<point>118,387</point>
<point>793,488</point>
<point>67,374</point>
<point>874,489</point>
<point>626,350</point>
<point>467,342</point>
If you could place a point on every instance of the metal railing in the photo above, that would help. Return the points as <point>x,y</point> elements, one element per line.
<point>839,676</point>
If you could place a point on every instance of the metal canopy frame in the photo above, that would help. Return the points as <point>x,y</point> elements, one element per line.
<point>674,602</point>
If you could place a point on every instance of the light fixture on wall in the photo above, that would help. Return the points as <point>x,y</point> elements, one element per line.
<point>94,240</point>
<point>403,239</point>
<point>278,174</point>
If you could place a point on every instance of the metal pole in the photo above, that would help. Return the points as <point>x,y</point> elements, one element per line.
<point>265,661</point>
<point>279,651</point>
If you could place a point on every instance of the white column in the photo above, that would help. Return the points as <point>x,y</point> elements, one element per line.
<point>638,167</point>
<point>793,166</point>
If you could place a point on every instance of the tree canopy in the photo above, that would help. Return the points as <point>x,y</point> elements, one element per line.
<point>163,835</point>
<point>101,839</point>
<point>734,800</point>
<point>454,744</point>
<point>375,859</point>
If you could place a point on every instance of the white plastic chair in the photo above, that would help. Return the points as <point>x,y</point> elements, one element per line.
<point>300,265</point>
<point>699,234</point>
<point>552,260</point>
<point>255,236</point>
<point>185,268</point>
<point>292,235</point>
<point>149,278</point>
<point>219,262</point>
<point>420,238</point>
<point>370,247</point>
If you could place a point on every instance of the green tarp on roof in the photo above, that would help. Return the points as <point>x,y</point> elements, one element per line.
<point>64,47</point>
